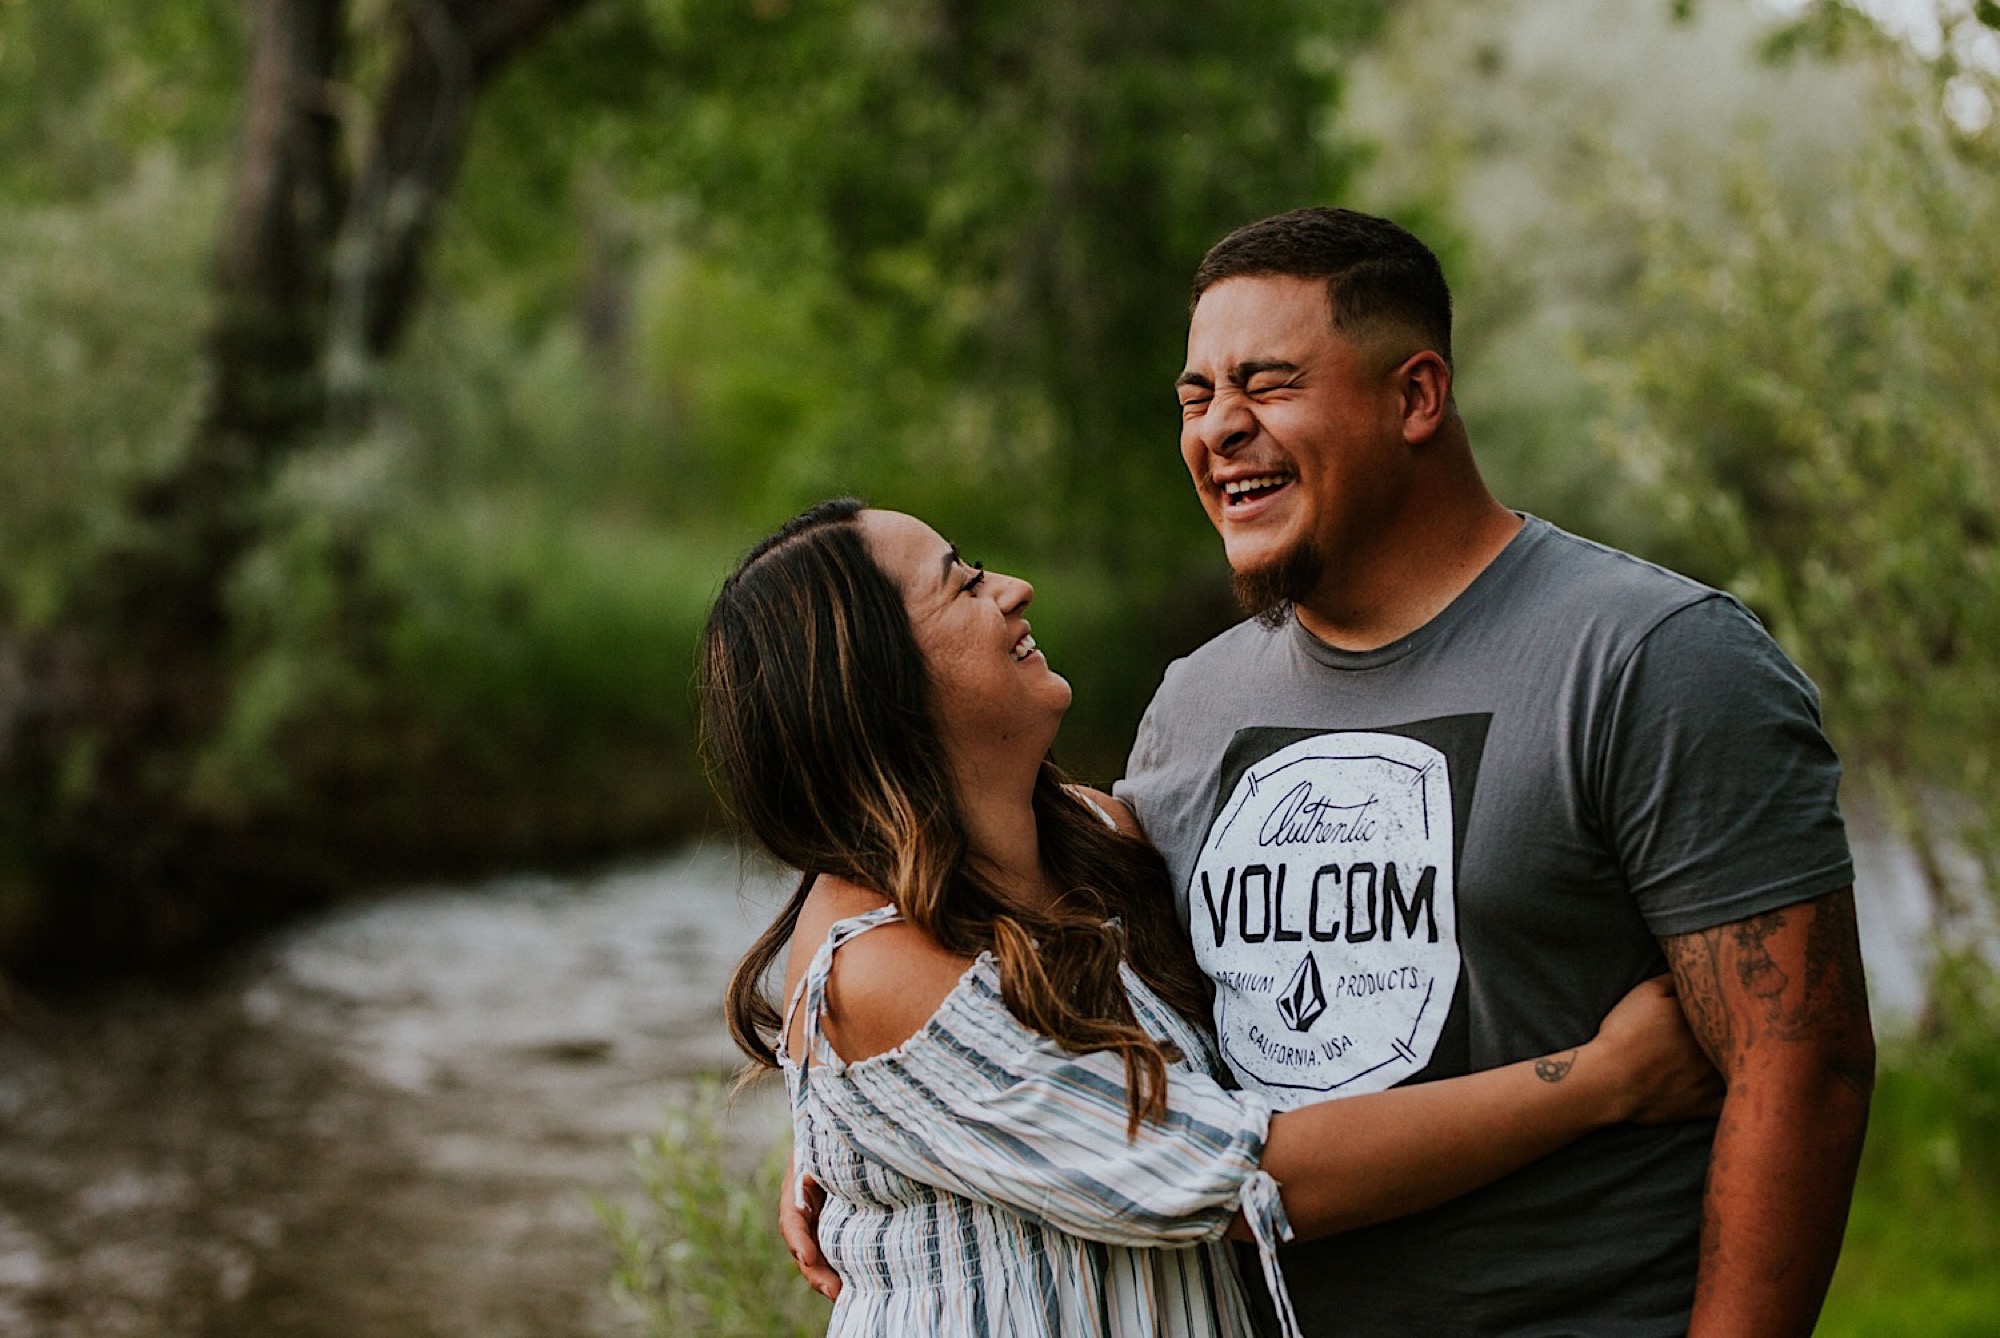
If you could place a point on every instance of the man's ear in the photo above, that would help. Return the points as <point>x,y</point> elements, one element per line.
<point>1424,382</point>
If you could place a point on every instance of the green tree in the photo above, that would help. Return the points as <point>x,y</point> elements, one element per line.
<point>323,238</point>
<point>1023,191</point>
<point>980,220</point>
<point>932,250</point>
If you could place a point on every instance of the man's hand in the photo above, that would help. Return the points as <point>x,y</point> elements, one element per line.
<point>1779,1002</point>
<point>800,1229</point>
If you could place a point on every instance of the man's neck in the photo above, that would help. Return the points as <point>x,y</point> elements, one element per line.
<point>1411,579</point>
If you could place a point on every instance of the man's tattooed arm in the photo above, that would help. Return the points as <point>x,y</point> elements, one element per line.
<point>1779,1002</point>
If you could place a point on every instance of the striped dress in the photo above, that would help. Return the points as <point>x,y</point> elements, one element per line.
<point>979,1180</point>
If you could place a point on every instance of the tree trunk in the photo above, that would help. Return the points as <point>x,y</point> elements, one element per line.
<point>283,216</point>
<point>315,285</point>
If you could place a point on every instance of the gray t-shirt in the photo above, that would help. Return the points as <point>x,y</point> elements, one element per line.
<point>1458,851</point>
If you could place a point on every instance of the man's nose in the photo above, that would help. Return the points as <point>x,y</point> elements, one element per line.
<point>1228,425</point>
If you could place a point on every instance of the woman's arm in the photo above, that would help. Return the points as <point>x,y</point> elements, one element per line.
<point>1340,1164</point>
<point>1350,1162</point>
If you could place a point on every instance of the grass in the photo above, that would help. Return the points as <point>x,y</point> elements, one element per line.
<point>1923,1240</point>
<point>702,1255</point>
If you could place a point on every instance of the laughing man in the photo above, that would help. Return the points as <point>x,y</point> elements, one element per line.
<point>1463,780</point>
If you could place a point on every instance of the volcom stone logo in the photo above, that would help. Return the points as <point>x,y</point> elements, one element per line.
<point>1304,1000</point>
<point>1341,844</point>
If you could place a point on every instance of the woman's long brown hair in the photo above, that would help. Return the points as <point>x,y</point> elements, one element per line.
<point>816,718</point>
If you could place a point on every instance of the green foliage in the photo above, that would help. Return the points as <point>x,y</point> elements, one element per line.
<point>702,1254</point>
<point>979,219</point>
<point>1924,1233</point>
<point>931,254</point>
<point>90,88</point>
<point>488,681</point>
<point>705,265</point>
<point>1814,399</point>
<point>99,362</point>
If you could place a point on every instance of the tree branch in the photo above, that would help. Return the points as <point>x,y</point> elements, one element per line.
<point>451,49</point>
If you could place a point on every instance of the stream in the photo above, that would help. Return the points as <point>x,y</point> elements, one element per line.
<point>389,1119</point>
<point>384,1121</point>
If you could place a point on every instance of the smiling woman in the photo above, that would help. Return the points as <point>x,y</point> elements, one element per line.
<point>995,1039</point>
<point>992,689</point>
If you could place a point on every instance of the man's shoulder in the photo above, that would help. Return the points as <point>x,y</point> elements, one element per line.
<point>1587,563</point>
<point>1229,652</point>
<point>1568,578</point>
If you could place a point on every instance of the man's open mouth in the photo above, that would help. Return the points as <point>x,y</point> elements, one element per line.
<point>1238,491</point>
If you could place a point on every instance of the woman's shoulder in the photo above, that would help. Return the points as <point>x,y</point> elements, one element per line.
<point>1112,810</point>
<point>830,900</point>
<point>882,985</point>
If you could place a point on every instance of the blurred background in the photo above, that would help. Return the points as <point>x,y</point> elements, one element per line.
<point>385,386</point>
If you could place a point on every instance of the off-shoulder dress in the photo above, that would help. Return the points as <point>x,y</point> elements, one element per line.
<point>979,1179</point>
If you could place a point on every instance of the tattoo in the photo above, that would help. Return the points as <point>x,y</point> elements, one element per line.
<point>1698,980</point>
<point>1735,992</point>
<point>1760,975</point>
<point>1773,997</point>
<point>1556,1067</point>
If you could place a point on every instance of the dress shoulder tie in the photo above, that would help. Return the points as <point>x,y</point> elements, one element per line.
<point>814,1047</point>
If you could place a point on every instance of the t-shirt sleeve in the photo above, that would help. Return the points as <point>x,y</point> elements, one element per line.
<point>1142,765</point>
<point>980,1105</point>
<point>1718,785</point>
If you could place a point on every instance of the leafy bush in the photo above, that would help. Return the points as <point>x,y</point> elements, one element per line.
<point>1924,1233</point>
<point>100,367</point>
<point>702,1254</point>
<point>478,682</point>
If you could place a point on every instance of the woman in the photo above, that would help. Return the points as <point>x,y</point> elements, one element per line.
<point>994,1038</point>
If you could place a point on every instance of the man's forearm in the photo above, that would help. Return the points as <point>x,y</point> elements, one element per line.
<point>1779,1002</point>
<point>1778,1188</point>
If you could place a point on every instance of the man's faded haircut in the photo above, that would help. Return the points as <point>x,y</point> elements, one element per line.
<point>1377,274</point>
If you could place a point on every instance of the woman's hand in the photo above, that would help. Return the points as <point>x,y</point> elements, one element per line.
<point>1660,1073</point>
<point>799,1226</point>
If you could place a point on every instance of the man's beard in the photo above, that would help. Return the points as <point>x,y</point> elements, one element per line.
<point>1267,593</point>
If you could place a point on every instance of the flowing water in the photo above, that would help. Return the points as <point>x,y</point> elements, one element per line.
<point>388,1120</point>
<point>383,1122</point>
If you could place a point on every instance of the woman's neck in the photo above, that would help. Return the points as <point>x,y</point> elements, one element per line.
<point>1003,836</point>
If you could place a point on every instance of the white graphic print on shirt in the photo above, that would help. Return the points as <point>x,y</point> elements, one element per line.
<point>1324,905</point>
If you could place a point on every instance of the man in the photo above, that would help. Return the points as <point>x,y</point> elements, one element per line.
<point>1464,780</point>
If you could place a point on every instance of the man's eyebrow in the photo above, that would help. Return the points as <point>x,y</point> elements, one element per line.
<point>950,560</point>
<point>1243,371</point>
<point>1239,375</point>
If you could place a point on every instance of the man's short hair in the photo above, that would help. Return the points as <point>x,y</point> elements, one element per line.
<point>1377,274</point>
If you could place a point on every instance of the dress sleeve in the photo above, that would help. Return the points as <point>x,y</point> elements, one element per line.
<point>979,1105</point>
